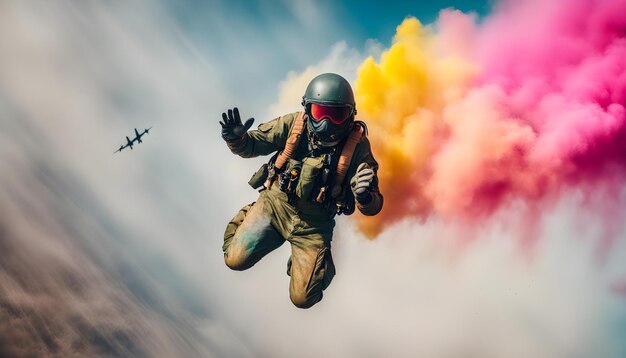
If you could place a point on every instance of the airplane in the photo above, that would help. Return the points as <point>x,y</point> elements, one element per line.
<point>138,136</point>
<point>129,143</point>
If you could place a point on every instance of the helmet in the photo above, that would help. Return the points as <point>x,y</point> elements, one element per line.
<point>329,103</point>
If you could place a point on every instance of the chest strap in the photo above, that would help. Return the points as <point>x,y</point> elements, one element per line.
<point>295,134</point>
<point>293,140</point>
<point>345,158</point>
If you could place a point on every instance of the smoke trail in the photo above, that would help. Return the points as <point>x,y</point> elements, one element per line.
<point>468,118</point>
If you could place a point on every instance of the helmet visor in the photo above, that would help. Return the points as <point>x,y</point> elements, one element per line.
<point>336,114</point>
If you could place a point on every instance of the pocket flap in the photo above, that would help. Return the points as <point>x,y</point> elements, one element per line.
<point>311,168</point>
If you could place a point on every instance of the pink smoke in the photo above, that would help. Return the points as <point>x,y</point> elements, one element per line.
<point>553,74</point>
<point>562,65</point>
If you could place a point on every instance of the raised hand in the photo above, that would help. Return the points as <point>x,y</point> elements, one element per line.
<point>232,128</point>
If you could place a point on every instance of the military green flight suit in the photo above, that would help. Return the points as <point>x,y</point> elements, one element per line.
<point>263,226</point>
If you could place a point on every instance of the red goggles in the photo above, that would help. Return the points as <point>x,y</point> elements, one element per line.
<point>336,114</point>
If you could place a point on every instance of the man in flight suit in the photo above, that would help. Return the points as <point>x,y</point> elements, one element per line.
<point>323,166</point>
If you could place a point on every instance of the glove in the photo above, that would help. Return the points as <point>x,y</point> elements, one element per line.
<point>361,183</point>
<point>232,128</point>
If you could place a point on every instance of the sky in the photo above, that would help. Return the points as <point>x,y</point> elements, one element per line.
<point>120,255</point>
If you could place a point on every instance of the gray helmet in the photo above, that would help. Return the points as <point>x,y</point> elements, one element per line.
<point>332,90</point>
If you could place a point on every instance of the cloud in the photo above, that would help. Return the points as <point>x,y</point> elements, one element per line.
<point>414,292</point>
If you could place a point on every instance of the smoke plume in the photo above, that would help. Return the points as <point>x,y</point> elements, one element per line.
<point>469,118</point>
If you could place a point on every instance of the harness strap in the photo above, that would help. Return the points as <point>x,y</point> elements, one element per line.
<point>295,134</point>
<point>345,158</point>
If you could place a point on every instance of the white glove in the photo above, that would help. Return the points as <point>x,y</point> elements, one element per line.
<point>361,183</point>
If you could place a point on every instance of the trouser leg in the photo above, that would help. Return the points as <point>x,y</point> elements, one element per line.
<point>311,270</point>
<point>250,235</point>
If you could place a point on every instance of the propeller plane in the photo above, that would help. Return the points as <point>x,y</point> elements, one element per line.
<point>129,142</point>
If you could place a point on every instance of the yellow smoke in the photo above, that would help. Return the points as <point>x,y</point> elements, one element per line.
<point>402,99</point>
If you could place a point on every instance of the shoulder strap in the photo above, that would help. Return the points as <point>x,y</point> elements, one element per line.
<point>345,158</point>
<point>295,134</point>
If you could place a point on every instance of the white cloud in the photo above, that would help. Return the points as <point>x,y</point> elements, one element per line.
<point>412,293</point>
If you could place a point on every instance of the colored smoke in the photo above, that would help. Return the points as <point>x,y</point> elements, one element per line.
<point>468,118</point>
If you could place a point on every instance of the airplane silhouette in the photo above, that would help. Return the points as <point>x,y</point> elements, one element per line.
<point>138,136</point>
<point>129,143</point>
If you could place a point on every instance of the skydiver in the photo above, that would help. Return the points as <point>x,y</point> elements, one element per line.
<point>322,166</point>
